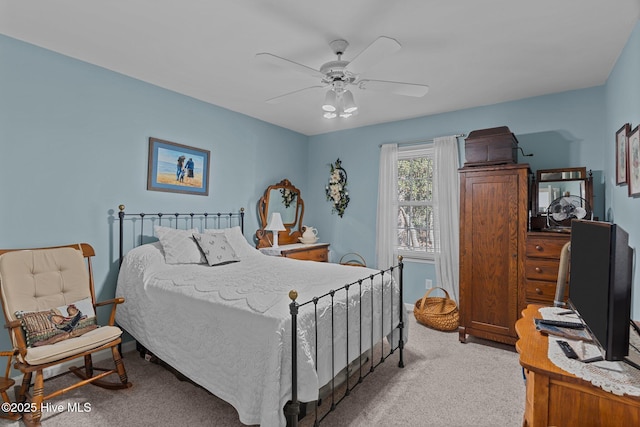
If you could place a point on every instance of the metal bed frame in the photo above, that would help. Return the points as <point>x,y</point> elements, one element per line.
<point>294,409</point>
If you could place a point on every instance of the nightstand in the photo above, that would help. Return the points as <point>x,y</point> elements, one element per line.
<point>309,252</point>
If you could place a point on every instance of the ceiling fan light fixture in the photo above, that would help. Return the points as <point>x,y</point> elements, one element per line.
<point>329,101</point>
<point>349,105</point>
<point>338,75</point>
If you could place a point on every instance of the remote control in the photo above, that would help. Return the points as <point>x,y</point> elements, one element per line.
<point>560,323</point>
<point>567,349</point>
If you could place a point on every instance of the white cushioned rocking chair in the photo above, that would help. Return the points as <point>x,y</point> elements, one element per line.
<point>49,304</point>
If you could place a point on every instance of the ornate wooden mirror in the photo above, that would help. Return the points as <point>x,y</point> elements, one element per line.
<point>285,199</point>
<point>554,184</point>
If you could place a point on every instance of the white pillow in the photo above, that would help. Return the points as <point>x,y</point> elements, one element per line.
<point>236,239</point>
<point>216,248</point>
<point>178,246</point>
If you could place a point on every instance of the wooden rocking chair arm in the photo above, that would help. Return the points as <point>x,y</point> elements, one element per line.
<point>13,324</point>
<point>20,342</point>
<point>115,302</point>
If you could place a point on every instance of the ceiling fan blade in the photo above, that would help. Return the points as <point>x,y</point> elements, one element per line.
<point>280,98</point>
<point>374,53</point>
<point>406,89</point>
<point>285,63</point>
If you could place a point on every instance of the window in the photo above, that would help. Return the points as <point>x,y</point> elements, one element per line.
<point>416,209</point>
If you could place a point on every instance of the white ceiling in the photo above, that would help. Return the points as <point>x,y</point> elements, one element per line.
<point>470,52</point>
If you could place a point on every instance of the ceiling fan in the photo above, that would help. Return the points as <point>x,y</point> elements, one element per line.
<point>339,75</point>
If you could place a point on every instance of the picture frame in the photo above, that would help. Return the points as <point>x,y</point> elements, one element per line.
<point>633,162</point>
<point>622,146</point>
<point>177,168</point>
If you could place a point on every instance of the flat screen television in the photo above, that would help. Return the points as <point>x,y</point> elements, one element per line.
<point>600,283</point>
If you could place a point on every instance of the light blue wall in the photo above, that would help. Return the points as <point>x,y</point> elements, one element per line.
<point>561,130</point>
<point>622,101</point>
<point>74,141</point>
<point>74,144</point>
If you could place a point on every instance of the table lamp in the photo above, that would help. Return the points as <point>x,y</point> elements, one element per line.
<point>275,225</point>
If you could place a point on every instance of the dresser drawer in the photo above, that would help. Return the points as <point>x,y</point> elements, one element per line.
<point>316,254</point>
<point>541,269</point>
<point>545,247</point>
<point>541,291</point>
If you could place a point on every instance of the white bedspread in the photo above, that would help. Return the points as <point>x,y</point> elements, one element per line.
<point>227,327</point>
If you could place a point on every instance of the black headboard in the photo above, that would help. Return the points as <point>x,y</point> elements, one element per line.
<point>200,221</point>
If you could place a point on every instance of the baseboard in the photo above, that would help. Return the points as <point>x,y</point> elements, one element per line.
<point>64,367</point>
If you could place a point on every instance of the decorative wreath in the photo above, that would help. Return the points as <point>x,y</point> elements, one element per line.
<point>336,191</point>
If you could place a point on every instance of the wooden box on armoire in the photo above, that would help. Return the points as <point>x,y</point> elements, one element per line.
<point>492,146</point>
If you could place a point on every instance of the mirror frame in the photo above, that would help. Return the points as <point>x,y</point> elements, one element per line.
<point>293,229</point>
<point>538,219</point>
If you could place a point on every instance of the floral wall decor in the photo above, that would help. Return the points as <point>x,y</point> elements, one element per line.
<point>288,196</point>
<point>336,191</point>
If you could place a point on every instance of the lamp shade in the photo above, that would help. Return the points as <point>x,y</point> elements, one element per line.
<point>275,223</point>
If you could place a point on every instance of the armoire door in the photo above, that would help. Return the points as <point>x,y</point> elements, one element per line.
<point>492,235</point>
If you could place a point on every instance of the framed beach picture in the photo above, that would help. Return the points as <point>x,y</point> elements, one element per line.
<point>622,145</point>
<point>177,168</point>
<point>633,162</point>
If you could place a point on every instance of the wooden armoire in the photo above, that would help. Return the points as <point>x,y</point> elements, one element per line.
<point>493,230</point>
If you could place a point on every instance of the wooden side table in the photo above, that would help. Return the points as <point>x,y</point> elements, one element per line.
<point>555,397</point>
<point>309,252</point>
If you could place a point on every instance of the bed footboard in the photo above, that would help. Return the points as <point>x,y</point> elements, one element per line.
<point>293,408</point>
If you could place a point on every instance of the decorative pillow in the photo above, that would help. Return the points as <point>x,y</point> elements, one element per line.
<point>236,238</point>
<point>216,248</point>
<point>178,246</point>
<point>57,324</point>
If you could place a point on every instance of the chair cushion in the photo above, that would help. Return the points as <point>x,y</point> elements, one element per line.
<point>36,280</point>
<point>66,348</point>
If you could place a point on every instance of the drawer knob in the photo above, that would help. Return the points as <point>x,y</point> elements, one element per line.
<point>538,270</point>
<point>538,248</point>
<point>538,291</point>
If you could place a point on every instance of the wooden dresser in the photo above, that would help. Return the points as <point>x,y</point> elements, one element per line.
<point>313,252</point>
<point>555,397</point>
<point>493,231</point>
<point>541,266</point>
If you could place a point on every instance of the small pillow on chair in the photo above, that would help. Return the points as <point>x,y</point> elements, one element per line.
<point>57,324</point>
<point>216,248</point>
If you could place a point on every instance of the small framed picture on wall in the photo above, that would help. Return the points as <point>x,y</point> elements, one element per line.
<point>177,168</point>
<point>633,162</point>
<point>622,146</point>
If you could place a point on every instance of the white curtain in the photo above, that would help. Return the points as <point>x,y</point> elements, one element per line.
<point>386,221</point>
<point>447,200</point>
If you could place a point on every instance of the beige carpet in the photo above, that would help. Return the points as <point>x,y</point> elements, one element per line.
<point>444,384</point>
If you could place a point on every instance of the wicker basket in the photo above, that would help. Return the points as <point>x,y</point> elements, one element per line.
<point>354,259</point>
<point>439,313</point>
